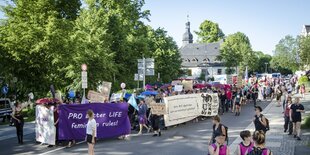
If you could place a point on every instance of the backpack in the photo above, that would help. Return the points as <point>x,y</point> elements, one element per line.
<point>267,122</point>
<point>257,151</point>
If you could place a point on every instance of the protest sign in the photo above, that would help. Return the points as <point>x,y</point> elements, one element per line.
<point>112,120</point>
<point>176,82</point>
<point>181,108</point>
<point>105,89</point>
<point>158,108</point>
<point>95,96</point>
<point>208,104</point>
<point>188,84</point>
<point>45,129</point>
<point>178,88</point>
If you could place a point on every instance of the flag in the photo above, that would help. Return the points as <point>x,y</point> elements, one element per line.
<point>132,101</point>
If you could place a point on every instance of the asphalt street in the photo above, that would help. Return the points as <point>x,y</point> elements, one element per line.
<point>191,138</point>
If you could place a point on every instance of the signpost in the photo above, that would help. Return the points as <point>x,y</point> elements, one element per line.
<point>84,80</point>
<point>146,67</point>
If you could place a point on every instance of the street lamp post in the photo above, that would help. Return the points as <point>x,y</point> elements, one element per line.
<point>266,63</point>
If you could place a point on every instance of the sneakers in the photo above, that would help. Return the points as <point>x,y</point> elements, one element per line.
<point>295,136</point>
<point>298,138</point>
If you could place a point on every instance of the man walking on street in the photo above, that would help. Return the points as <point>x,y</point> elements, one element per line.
<point>295,117</point>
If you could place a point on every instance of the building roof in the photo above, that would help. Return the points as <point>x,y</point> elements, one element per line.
<point>307,27</point>
<point>196,54</point>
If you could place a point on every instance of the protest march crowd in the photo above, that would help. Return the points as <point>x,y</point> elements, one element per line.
<point>64,120</point>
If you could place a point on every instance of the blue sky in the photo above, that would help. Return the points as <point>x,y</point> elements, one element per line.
<point>264,21</point>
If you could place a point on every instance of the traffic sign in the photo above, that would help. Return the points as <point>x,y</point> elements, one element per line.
<point>5,90</point>
<point>84,79</point>
<point>84,67</point>
<point>150,72</point>
<point>138,77</point>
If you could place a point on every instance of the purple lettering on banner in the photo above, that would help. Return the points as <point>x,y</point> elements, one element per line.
<point>112,120</point>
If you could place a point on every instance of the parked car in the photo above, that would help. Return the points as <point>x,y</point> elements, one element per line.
<point>5,109</point>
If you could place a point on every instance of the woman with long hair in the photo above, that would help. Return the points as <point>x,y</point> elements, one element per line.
<point>259,139</point>
<point>142,116</point>
<point>91,132</point>
<point>18,117</point>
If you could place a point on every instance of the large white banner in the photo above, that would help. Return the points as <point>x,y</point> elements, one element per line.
<point>45,129</point>
<point>183,108</point>
<point>209,104</point>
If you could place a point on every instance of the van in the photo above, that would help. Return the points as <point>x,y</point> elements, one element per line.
<point>5,109</point>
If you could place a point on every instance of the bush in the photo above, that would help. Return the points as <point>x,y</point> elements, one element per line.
<point>303,80</point>
<point>306,123</point>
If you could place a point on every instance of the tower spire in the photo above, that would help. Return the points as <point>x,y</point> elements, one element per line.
<point>187,36</point>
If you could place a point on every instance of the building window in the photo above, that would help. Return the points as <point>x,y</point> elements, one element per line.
<point>219,71</point>
<point>189,72</point>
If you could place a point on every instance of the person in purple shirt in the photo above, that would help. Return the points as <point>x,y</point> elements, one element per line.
<point>219,147</point>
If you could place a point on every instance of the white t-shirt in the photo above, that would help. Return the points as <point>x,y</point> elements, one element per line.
<point>91,125</point>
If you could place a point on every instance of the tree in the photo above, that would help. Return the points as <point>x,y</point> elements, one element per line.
<point>209,32</point>
<point>236,51</point>
<point>261,60</point>
<point>285,54</point>
<point>304,54</point>
<point>34,38</point>
<point>165,52</point>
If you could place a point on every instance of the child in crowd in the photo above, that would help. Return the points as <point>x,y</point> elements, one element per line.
<point>219,147</point>
<point>246,145</point>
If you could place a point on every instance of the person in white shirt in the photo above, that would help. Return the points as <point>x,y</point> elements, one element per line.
<point>91,132</point>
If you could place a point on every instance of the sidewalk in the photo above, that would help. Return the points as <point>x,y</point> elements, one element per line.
<point>279,142</point>
<point>7,132</point>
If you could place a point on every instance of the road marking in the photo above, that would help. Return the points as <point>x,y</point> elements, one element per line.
<point>59,148</point>
<point>131,135</point>
<point>234,145</point>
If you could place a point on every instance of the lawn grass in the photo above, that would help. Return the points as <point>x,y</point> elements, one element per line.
<point>306,122</point>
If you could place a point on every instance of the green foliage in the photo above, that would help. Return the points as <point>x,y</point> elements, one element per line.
<point>46,41</point>
<point>304,51</point>
<point>285,54</point>
<point>165,52</point>
<point>306,122</point>
<point>260,63</point>
<point>209,32</point>
<point>303,80</point>
<point>202,76</point>
<point>237,51</point>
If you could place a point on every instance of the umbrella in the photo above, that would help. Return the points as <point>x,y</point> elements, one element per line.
<point>199,86</point>
<point>46,100</point>
<point>146,93</point>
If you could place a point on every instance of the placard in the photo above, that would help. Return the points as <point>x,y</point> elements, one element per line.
<point>45,128</point>
<point>188,84</point>
<point>158,108</point>
<point>95,96</point>
<point>178,88</point>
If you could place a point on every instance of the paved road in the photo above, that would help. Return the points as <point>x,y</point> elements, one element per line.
<point>191,138</point>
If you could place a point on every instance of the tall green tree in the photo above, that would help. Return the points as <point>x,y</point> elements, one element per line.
<point>34,37</point>
<point>260,63</point>
<point>236,51</point>
<point>285,54</point>
<point>304,54</point>
<point>165,52</point>
<point>209,32</point>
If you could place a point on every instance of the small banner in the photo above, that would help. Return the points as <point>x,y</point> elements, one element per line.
<point>158,108</point>
<point>45,129</point>
<point>95,97</point>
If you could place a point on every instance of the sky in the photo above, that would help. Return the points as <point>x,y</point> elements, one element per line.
<point>265,22</point>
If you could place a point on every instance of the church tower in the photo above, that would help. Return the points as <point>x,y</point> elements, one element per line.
<point>187,36</point>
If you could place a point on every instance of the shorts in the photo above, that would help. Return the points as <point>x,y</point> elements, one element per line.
<point>294,120</point>
<point>89,138</point>
<point>142,120</point>
<point>278,98</point>
<point>237,103</point>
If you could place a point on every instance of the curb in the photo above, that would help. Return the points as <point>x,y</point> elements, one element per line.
<point>234,145</point>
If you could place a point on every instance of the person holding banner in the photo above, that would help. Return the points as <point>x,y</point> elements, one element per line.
<point>91,132</point>
<point>19,119</point>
